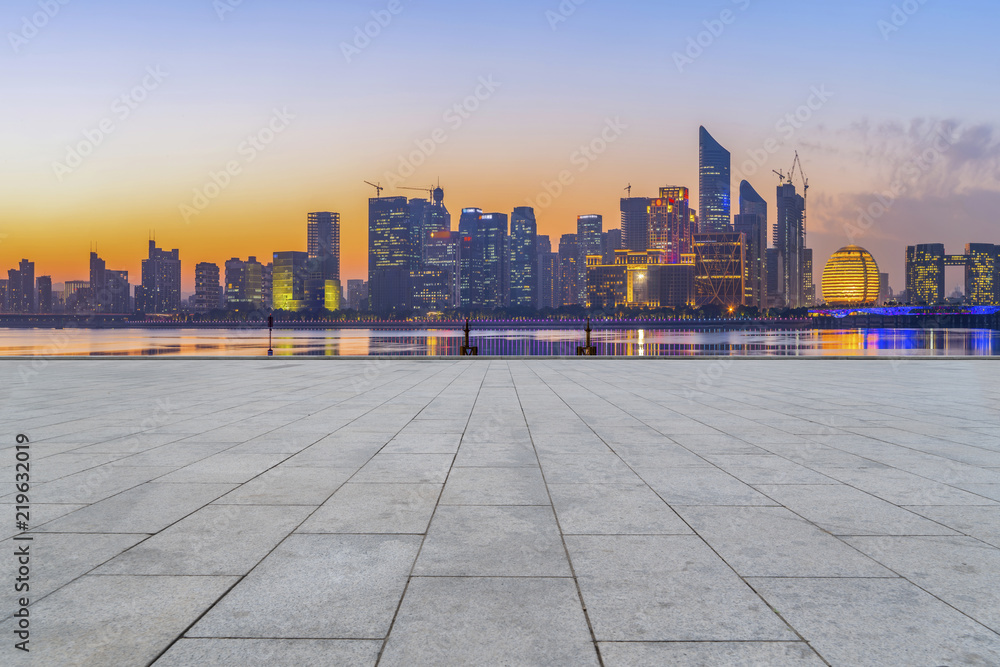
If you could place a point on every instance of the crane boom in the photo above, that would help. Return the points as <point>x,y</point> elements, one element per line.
<point>378,187</point>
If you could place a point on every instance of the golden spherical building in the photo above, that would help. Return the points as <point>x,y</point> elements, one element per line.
<point>851,278</point>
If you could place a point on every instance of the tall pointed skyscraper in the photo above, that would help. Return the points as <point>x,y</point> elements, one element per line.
<point>714,185</point>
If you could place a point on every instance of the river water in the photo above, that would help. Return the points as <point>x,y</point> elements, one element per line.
<point>496,342</point>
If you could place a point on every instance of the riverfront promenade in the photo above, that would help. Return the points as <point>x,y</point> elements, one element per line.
<point>539,512</point>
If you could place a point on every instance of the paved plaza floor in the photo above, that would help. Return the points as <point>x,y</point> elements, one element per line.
<point>536,512</point>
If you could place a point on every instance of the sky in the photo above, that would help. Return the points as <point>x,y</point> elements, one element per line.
<point>217,125</point>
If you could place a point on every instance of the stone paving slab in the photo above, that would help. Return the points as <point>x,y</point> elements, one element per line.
<point>523,512</point>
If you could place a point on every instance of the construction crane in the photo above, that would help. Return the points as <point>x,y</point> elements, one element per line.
<point>429,190</point>
<point>378,188</point>
<point>790,180</point>
<point>629,188</point>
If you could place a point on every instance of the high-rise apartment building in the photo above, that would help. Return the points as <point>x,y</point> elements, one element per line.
<point>752,223</point>
<point>715,182</point>
<point>207,288</point>
<point>789,242</point>
<point>160,291</point>
<point>590,241</point>
<point>21,288</point>
<point>44,284</point>
<point>925,274</point>
<point>523,258</point>
<point>635,223</point>
<point>390,255</point>
<point>981,268</point>
<point>548,275</point>
<point>244,283</point>
<point>808,280</point>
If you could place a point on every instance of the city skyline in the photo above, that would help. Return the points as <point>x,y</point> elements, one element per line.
<point>213,85</point>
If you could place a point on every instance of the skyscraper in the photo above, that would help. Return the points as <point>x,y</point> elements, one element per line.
<point>752,222</point>
<point>670,228</point>
<point>491,247</point>
<point>788,240</point>
<point>569,274</point>
<point>523,258</point>
<point>590,241</point>
<point>714,185</point>
<point>98,284</point>
<point>390,255</point>
<point>44,294</point>
<point>160,291</point>
<point>442,253</point>
<point>470,262</point>
<point>207,290</point>
<point>635,223</point>
<point>21,286</point>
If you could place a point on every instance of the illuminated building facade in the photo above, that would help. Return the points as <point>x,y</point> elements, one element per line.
<point>851,278</point>
<point>639,280</point>
<point>289,280</point>
<point>719,271</point>
<point>715,182</point>
<point>981,268</point>
<point>671,223</point>
<point>442,253</point>
<point>752,222</point>
<point>390,255</point>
